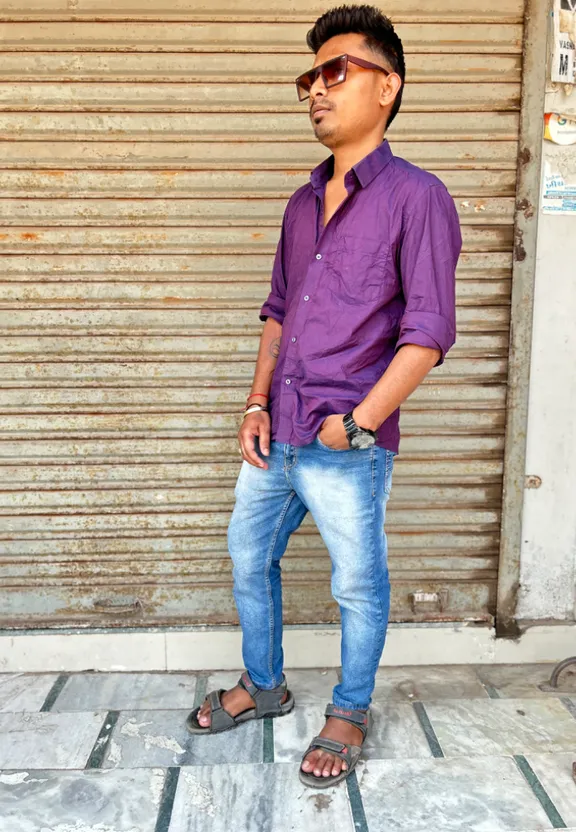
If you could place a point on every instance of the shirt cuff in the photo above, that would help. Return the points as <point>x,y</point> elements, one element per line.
<point>273,309</point>
<point>426,329</point>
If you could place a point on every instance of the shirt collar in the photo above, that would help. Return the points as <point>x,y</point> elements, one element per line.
<point>365,170</point>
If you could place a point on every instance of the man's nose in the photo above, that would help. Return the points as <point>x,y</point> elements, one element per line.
<point>318,88</point>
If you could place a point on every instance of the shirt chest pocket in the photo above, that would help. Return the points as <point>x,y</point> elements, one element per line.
<point>358,269</point>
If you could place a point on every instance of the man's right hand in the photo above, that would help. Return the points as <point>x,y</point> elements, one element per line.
<point>256,424</point>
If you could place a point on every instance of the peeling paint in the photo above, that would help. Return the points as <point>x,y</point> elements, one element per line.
<point>169,743</point>
<point>156,785</point>
<point>20,777</point>
<point>200,796</point>
<point>132,728</point>
<point>526,207</point>
<point>115,755</point>
<point>524,156</point>
<point>519,250</point>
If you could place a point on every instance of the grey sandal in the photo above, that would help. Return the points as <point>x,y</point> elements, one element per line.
<point>349,753</point>
<point>267,703</point>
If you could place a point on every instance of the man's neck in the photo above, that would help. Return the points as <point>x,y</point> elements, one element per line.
<point>346,156</point>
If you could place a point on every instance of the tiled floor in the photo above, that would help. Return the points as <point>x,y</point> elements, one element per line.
<point>453,749</point>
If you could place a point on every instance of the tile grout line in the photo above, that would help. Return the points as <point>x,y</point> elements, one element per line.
<point>569,705</point>
<point>492,692</point>
<point>356,804</point>
<point>539,792</point>
<point>100,748</point>
<point>54,692</point>
<point>167,800</point>
<point>200,691</point>
<point>429,731</point>
<point>268,740</point>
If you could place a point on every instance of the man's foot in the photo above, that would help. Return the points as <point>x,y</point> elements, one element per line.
<point>234,701</point>
<point>320,761</point>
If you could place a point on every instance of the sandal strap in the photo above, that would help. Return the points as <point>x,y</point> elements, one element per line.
<point>340,749</point>
<point>219,716</point>
<point>266,701</point>
<point>245,681</point>
<point>361,719</point>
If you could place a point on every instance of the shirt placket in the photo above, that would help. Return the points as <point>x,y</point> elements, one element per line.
<point>293,368</point>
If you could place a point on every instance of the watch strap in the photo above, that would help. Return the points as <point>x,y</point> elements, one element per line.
<point>352,428</point>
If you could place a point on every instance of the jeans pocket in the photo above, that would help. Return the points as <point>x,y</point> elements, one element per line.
<point>327,447</point>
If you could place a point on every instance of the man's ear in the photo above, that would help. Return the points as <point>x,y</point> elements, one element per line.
<point>389,89</point>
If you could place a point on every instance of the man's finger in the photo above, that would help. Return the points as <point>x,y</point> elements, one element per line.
<point>249,451</point>
<point>265,439</point>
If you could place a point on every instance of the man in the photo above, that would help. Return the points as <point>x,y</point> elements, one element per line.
<point>361,308</point>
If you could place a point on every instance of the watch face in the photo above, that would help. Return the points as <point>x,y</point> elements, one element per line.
<point>362,440</point>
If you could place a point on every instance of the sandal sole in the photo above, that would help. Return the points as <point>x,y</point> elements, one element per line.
<point>323,782</point>
<point>241,720</point>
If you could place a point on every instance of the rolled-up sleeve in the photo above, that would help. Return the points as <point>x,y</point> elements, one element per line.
<point>275,304</point>
<point>430,248</point>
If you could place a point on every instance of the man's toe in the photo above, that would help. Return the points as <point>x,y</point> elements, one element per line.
<point>319,765</point>
<point>328,766</point>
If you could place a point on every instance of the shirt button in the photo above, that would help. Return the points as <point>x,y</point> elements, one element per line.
<point>288,381</point>
<point>306,297</point>
<point>318,257</point>
<point>293,340</point>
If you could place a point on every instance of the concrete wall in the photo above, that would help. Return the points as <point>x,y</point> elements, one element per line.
<point>548,554</point>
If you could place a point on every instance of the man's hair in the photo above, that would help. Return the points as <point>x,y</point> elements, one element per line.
<point>378,32</point>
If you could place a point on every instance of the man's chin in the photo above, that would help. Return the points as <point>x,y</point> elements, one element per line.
<point>325,135</point>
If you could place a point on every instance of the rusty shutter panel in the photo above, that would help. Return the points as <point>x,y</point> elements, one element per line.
<point>144,175</point>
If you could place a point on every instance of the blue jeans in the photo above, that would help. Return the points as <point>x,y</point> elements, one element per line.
<point>346,492</point>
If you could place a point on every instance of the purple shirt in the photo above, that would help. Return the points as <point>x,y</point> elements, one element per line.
<point>348,296</point>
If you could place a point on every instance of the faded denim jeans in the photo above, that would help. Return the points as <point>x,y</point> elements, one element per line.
<point>346,493</point>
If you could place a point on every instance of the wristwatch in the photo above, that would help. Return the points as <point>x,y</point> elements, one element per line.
<point>358,437</point>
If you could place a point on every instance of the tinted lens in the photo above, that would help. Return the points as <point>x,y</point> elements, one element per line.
<point>304,83</point>
<point>334,72</point>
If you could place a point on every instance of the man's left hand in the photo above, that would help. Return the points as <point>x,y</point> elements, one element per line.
<point>333,433</point>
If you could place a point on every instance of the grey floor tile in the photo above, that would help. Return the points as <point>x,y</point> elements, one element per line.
<point>90,801</point>
<point>24,691</point>
<point>47,740</point>
<point>160,738</point>
<point>426,683</point>
<point>522,681</point>
<point>308,686</point>
<point>396,733</point>
<point>466,795</point>
<point>312,686</point>
<point>555,773</point>
<point>502,726</point>
<point>223,679</point>
<point>120,691</point>
<point>256,798</point>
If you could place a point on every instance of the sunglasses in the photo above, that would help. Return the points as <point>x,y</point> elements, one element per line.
<point>333,72</point>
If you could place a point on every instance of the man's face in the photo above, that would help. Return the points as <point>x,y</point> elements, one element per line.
<point>358,106</point>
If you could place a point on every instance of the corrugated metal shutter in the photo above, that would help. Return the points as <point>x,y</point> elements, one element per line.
<point>147,155</point>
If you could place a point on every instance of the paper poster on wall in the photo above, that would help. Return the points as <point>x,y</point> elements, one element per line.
<point>559,192</point>
<point>559,129</point>
<point>564,42</point>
